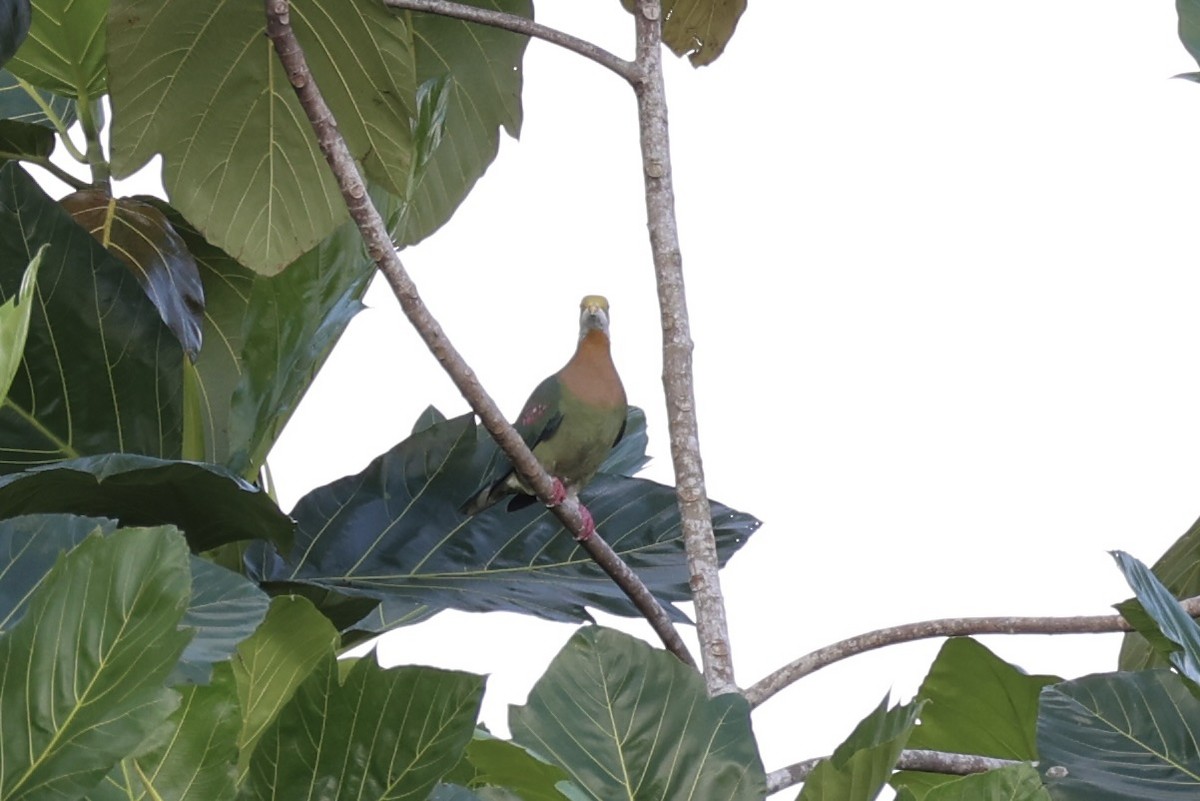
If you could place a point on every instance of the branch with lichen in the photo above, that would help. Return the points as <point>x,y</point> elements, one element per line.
<point>383,253</point>
<point>914,759</point>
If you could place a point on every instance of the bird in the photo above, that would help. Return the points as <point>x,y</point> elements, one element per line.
<point>570,422</point>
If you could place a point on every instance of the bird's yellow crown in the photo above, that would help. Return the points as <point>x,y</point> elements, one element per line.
<point>594,300</point>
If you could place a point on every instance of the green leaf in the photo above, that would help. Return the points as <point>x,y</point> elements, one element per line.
<point>106,621</point>
<point>380,733</point>
<point>22,141</point>
<point>493,763</point>
<point>33,106</point>
<point>210,504</point>
<point>1189,27</point>
<point>860,766</point>
<point>225,609</point>
<point>1012,783</point>
<point>698,29</point>
<point>273,662</point>
<point>1121,736</point>
<point>195,761</point>
<point>101,373</point>
<point>14,26</point>
<point>394,532</point>
<point>483,95</point>
<point>14,324</point>
<point>140,236</point>
<point>1179,571</point>
<point>1158,602</point>
<point>628,721</point>
<point>65,51</point>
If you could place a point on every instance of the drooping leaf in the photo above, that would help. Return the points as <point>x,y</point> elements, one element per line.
<point>211,505</point>
<point>100,372</point>
<point>628,721</point>
<point>1012,783</point>
<point>1158,602</point>
<point>380,733</point>
<point>14,26</point>
<point>195,760</point>
<point>273,662</point>
<point>105,620</point>
<point>491,764</point>
<point>859,767</point>
<point>482,96</point>
<point>14,324</point>
<point>33,106</point>
<point>394,533</point>
<point>66,48</point>
<point>1179,571</point>
<point>22,141</point>
<point>141,236</point>
<point>1120,736</point>
<point>698,29</point>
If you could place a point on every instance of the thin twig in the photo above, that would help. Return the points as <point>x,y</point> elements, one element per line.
<point>945,627</point>
<point>516,24</point>
<point>57,171</point>
<point>916,759</point>
<point>381,250</point>
<point>711,625</point>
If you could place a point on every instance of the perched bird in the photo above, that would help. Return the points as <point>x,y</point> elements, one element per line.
<point>570,422</point>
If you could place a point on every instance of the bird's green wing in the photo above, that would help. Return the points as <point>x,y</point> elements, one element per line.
<point>542,413</point>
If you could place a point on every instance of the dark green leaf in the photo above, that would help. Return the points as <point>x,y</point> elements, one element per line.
<point>224,610</point>
<point>14,26</point>
<point>483,95</point>
<point>1121,736</point>
<point>394,532</point>
<point>1179,570</point>
<point>19,104</point>
<point>21,140</point>
<point>1134,614</point>
<point>698,29</point>
<point>210,504</point>
<point>140,236</point>
<point>860,766</point>
<point>1014,783</point>
<point>65,51</point>
<point>14,324</point>
<point>429,418</point>
<point>380,733</point>
<point>105,620</point>
<point>628,721</point>
<point>493,763</point>
<point>1174,623</point>
<point>101,373</point>
<point>272,663</point>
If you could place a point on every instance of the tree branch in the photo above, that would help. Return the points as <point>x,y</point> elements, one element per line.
<point>916,759</point>
<point>711,625</point>
<point>516,24</point>
<point>945,627</point>
<point>381,250</point>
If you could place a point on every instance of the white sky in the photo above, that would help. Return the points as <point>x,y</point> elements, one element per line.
<point>943,289</point>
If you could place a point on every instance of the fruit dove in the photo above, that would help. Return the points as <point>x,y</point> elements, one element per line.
<point>571,421</point>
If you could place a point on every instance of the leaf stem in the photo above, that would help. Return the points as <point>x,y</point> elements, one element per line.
<point>89,120</point>
<point>382,251</point>
<point>55,120</point>
<point>57,171</point>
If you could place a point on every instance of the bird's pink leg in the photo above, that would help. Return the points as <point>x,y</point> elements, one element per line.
<point>589,525</point>
<point>558,493</point>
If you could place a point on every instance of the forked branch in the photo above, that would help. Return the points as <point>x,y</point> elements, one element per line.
<point>382,251</point>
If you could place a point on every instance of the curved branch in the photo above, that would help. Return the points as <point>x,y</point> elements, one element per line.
<point>944,627</point>
<point>915,759</point>
<point>379,246</point>
<point>516,24</point>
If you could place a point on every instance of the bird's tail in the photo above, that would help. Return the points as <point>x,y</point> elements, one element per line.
<point>486,497</point>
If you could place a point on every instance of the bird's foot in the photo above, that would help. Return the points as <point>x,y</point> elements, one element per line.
<point>589,525</point>
<point>558,493</point>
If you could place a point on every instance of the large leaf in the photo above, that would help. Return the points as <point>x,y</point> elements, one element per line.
<point>484,95</point>
<point>628,721</point>
<point>14,325</point>
<point>81,675</point>
<point>224,607</point>
<point>141,236</point>
<point>195,760</point>
<point>698,29</point>
<point>66,48</point>
<point>1119,736</point>
<point>859,767</point>
<point>1179,571</point>
<point>210,504</point>
<point>1011,783</point>
<point>976,703</point>
<point>394,532</point>
<point>273,662</point>
<point>377,734</point>
<point>100,373</point>
<point>14,26</point>
<point>1158,602</point>
<point>490,763</point>
<point>33,106</point>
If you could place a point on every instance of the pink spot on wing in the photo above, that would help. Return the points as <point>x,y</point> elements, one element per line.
<point>532,414</point>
